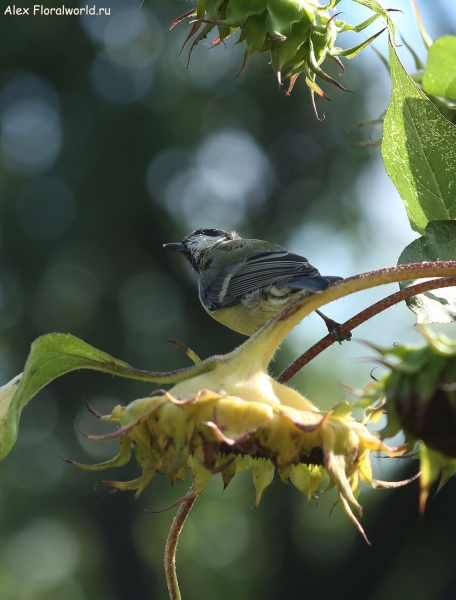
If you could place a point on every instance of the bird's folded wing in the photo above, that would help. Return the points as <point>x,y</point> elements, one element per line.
<point>259,270</point>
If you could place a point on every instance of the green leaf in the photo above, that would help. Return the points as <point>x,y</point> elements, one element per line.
<point>439,77</point>
<point>439,243</point>
<point>55,354</point>
<point>419,151</point>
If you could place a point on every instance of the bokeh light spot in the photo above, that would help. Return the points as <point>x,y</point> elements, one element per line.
<point>229,176</point>
<point>120,85</point>
<point>44,553</point>
<point>31,136</point>
<point>46,208</point>
<point>133,39</point>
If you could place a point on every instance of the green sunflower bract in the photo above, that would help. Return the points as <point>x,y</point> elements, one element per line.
<point>299,34</point>
<point>419,397</point>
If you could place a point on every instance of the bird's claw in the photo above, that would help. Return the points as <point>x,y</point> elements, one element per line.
<point>333,328</point>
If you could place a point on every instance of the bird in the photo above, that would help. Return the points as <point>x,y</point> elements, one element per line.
<point>243,283</point>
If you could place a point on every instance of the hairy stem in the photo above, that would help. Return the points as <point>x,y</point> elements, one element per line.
<point>360,318</point>
<point>274,332</point>
<point>171,547</point>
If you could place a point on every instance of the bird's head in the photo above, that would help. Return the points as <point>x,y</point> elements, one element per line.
<point>197,244</point>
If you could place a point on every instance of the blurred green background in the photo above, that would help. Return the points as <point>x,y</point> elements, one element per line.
<point>110,147</point>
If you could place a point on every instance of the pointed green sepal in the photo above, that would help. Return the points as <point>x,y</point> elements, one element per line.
<point>354,50</point>
<point>262,471</point>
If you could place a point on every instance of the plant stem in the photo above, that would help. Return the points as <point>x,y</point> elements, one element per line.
<point>360,318</point>
<point>266,341</point>
<point>171,547</point>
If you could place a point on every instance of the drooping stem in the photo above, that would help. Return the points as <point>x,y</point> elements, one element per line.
<point>360,318</point>
<point>268,338</point>
<point>171,547</point>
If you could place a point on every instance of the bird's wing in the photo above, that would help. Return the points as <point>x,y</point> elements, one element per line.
<point>259,270</point>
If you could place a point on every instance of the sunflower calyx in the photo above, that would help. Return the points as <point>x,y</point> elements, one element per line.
<point>298,34</point>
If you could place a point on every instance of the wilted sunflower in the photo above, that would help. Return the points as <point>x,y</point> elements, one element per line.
<point>229,415</point>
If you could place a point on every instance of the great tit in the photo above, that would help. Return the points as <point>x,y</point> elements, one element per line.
<point>244,283</point>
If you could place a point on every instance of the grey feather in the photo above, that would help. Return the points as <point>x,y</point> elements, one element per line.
<point>262,269</point>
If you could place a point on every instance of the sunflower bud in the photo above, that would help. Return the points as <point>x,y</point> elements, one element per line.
<point>299,35</point>
<point>420,396</point>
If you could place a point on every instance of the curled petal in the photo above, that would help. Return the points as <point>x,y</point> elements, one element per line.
<point>347,510</point>
<point>389,485</point>
<point>138,484</point>
<point>188,351</point>
<point>307,421</point>
<point>178,401</point>
<point>91,410</point>
<point>236,420</point>
<point>222,437</point>
<point>118,461</point>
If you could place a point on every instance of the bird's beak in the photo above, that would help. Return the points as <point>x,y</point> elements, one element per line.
<point>178,246</point>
